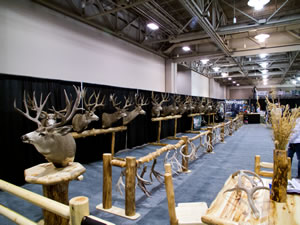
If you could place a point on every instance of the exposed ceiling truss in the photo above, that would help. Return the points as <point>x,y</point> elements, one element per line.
<point>208,27</point>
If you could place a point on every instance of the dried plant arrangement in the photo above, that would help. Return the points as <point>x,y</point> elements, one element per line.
<point>283,122</point>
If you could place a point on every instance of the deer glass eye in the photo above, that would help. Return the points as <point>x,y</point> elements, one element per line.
<point>42,134</point>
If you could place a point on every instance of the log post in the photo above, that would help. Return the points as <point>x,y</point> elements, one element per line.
<point>236,125</point>
<point>79,208</point>
<point>280,176</point>
<point>175,128</point>
<point>107,181</point>
<point>159,131</point>
<point>185,151</point>
<point>171,199</point>
<point>130,186</point>
<point>168,168</point>
<point>257,164</point>
<point>289,168</point>
<point>230,127</point>
<point>57,192</point>
<point>222,132</point>
<point>113,141</point>
<point>209,138</point>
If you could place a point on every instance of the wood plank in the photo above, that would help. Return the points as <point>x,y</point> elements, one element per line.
<point>118,211</point>
<point>230,208</point>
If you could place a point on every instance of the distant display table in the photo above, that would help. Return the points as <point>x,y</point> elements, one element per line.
<point>252,118</point>
<point>232,209</point>
<point>55,183</point>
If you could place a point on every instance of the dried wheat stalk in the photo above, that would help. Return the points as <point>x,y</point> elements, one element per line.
<point>283,122</point>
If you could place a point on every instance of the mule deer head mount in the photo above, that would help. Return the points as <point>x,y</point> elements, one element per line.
<point>52,140</point>
<point>156,105</point>
<point>138,110</point>
<point>81,121</point>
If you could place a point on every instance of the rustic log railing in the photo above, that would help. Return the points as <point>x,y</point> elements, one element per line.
<point>77,209</point>
<point>94,132</point>
<point>159,119</point>
<point>131,163</point>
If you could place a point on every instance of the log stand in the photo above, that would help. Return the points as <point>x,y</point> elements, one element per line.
<point>192,122</point>
<point>55,183</point>
<point>159,119</point>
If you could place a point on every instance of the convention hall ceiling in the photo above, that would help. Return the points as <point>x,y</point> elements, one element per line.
<point>222,31</point>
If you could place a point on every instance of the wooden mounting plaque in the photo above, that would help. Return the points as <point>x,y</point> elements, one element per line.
<point>118,211</point>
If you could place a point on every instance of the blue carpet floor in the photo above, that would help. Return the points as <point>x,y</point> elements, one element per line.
<point>209,172</point>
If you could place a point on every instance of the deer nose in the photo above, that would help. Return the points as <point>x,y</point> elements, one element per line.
<point>24,138</point>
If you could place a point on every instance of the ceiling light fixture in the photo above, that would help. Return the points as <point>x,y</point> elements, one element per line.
<point>265,71</point>
<point>298,78</point>
<point>263,55</point>
<point>153,26</point>
<point>294,82</point>
<point>264,64</point>
<point>233,82</point>
<point>216,69</point>
<point>237,84</point>
<point>258,4</point>
<point>265,76</point>
<point>262,37</point>
<point>186,48</point>
<point>204,61</point>
<point>224,74</point>
<point>229,78</point>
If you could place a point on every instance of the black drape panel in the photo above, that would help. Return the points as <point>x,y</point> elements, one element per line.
<point>17,156</point>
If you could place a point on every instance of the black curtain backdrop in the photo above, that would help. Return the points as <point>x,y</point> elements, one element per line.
<point>17,156</point>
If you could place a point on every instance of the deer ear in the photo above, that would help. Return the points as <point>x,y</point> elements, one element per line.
<point>63,130</point>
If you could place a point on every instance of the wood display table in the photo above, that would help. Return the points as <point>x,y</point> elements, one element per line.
<point>232,209</point>
<point>55,183</point>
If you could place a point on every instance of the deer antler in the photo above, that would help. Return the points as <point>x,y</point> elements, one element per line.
<point>38,108</point>
<point>113,99</point>
<point>140,101</point>
<point>96,104</point>
<point>142,182</point>
<point>165,98</point>
<point>128,102</point>
<point>155,173</point>
<point>154,98</point>
<point>69,110</point>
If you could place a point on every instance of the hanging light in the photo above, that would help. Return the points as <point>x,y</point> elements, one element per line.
<point>265,71</point>
<point>262,37</point>
<point>294,81</point>
<point>265,76</point>
<point>153,26</point>
<point>237,84</point>
<point>258,4</point>
<point>264,64</point>
<point>298,78</point>
<point>234,18</point>
<point>263,55</point>
<point>204,61</point>
<point>229,78</point>
<point>233,82</point>
<point>216,69</point>
<point>186,48</point>
<point>224,74</point>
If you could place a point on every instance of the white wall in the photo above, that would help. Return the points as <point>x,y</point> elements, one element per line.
<point>38,42</point>
<point>216,90</point>
<point>183,82</point>
<point>200,85</point>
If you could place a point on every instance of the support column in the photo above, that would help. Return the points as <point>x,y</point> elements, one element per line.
<point>171,74</point>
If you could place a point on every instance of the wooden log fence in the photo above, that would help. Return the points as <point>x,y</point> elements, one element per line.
<point>131,163</point>
<point>77,209</point>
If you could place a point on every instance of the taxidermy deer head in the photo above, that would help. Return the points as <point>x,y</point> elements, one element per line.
<point>138,110</point>
<point>81,121</point>
<point>157,106</point>
<point>170,109</point>
<point>52,140</point>
<point>109,118</point>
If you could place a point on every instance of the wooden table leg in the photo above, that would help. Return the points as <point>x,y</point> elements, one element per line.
<point>57,192</point>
